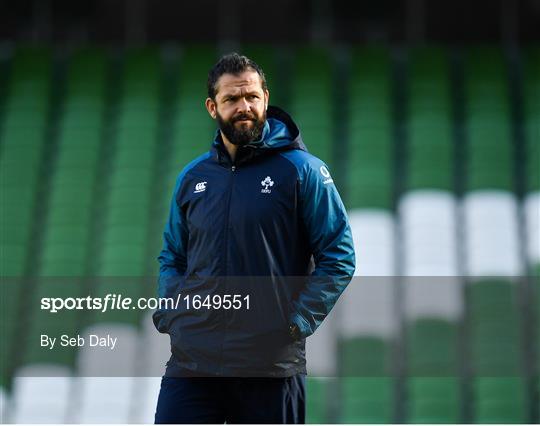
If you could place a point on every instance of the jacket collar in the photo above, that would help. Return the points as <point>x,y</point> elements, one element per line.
<point>280,133</point>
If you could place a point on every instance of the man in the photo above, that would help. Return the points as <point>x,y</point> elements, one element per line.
<point>258,249</point>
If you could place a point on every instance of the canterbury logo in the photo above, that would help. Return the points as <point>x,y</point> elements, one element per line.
<point>267,182</point>
<point>200,187</point>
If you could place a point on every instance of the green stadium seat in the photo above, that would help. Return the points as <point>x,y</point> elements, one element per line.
<point>11,176</point>
<point>136,138</point>
<point>75,136</point>
<point>22,222</point>
<point>139,115</point>
<point>70,268</point>
<point>531,94</point>
<point>123,250</point>
<point>432,347</point>
<point>371,350</point>
<point>433,400</point>
<point>67,234</point>
<point>317,397</point>
<point>136,159</point>
<point>500,400</point>
<point>122,269</point>
<point>488,119</point>
<point>311,100</point>
<point>79,161</point>
<point>430,148</point>
<point>370,155</point>
<point>16,136</point>
<point>367,400</point>
<point>131,177</point>
<point>434,412</point>
<point>14,234</point>
<point>22,156</point>
<point>126,195</point>
<point>81,118</point>
<point>84,178</point>
<point>13,260</point>
<point>70,194</point>
<point>134,213</point>
<point>494,325</point>
<point>68,252</point>
<point>72,214</point>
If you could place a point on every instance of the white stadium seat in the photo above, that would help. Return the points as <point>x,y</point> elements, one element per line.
<point>41,394</point>
<point>4,406</point>
<point>374,234</point>
<point>105,385</point>
<point>429,250</point>
<point>321,346</point>
<point>428,222</point>
<point>155,352</point>
<point>491,234</point>
<point>532,227</point>
<point>368,305</point>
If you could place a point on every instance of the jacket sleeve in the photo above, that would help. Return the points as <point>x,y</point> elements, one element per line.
<point>331,244</point>
<point>172,258</point>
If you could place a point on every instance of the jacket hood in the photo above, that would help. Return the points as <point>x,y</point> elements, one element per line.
<point>280,133</point>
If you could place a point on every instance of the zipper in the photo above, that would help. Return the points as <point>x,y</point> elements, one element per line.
<point>231,181</point>
<point>226,257</point>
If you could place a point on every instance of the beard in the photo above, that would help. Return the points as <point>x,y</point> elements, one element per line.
<point>243,134</point>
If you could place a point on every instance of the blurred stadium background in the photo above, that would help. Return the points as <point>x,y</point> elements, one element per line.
<point>428,114</point>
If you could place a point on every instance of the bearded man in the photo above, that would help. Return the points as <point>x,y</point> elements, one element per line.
<point>258,235</point>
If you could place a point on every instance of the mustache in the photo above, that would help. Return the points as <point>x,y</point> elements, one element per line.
<point>242,117</point>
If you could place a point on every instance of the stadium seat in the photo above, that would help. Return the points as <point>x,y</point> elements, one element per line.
<point>153,359</point>
<point>311,100</point>
<point>428,220</point>
<point>491,234</point>
<point>370,156</point>
<point>105,386</point>
<point>317,392</point>
<point>321,348</point>
<point>434,400</point>
<point>500,400</point>
<point>41,394</point>
<point>432,348</point>
<point>104,400</point>
<point>367,400</point>
<point>429,163</point>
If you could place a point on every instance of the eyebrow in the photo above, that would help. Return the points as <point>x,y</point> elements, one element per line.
<point>234,97</point>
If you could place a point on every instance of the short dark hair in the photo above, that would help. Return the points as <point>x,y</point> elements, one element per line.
<point>232,63</point>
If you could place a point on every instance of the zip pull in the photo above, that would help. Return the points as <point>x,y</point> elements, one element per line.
<point>233,168</point>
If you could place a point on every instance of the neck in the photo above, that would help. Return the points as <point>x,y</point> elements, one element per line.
<point>231,148</point>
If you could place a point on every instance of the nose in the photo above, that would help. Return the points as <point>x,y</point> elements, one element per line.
<point>243,105</point>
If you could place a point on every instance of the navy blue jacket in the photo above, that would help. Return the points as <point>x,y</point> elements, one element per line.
<point>270,226</point>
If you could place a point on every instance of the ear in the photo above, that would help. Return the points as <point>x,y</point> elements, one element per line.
<point>266,98</point>
<point>211,107</point>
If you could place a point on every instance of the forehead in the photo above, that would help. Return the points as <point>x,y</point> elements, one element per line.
<point>248,81</point>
